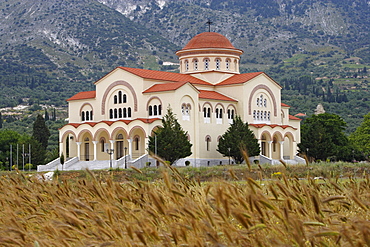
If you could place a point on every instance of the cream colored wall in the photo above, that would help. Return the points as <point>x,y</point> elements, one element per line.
<point>213,77</point>
<point>262,81</point>
<point>76,106</point>
<point>212,129</point>
<point>236,92</point>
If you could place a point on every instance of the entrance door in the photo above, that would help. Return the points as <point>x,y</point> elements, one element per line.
<point>119,148</point>
<point>87,154</point>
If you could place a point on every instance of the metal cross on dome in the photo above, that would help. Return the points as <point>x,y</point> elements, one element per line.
<point>209,22</point>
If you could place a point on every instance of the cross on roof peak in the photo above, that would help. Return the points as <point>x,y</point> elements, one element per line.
<point>209,23</point>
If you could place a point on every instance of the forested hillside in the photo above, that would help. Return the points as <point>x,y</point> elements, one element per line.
<point>317,50</point>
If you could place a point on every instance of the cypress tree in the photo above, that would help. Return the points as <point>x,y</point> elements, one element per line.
<point>238,136</point>
<point>41,132</point>
<point>170,140</point>
<point>46,115</point>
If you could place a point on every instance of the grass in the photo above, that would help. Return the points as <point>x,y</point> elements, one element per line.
<point>176,209</point>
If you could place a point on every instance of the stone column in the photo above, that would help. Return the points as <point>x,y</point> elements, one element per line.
<point>78,150</point>
<point>260,143</point>
<point>95,149</point>
<point>130,147</point>
<point>270,148</point>
<point>281,150</point>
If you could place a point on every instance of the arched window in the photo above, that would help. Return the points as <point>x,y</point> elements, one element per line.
<point>220,113</point>
<point>186,65</point>
<point>119,137</point>
<point>115,99</point>
<point>115,113</point>
<point>120,97</point>
<point>136,143</point>
<point>102,144</point>
<point>83,116</point>
<point>150,110</point>
<point>208,141</point>
<point>87,116</point>
<point>209,112</point>
<point>261,100</point>
<point>265,103</point>
<point>218,62</point>
<point>110,113</point>
<point>268,116</point>
<point>206,64</point>
<point>129,112</point>
<point>258,115</point>
<point>204,112</point>
<point>120,113</point>
<point>227,64</point>
<point>195,64</point>
<point>91,115</point>
<point>159,110</point>
<point>124,113</point>
<point>124,98</point>
<point>258,101</point>
<point>155,110</point>
<point>216,112</point>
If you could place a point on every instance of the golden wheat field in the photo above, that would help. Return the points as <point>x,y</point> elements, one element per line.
<point>176,211</point>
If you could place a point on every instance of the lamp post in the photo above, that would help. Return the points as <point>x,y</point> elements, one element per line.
<point>229,154</point>
<point>125,158</point>
<point>110,152</point>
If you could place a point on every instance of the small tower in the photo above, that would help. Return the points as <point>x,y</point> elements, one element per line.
<point>209,52</point>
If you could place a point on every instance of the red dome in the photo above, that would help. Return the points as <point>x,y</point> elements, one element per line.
<point>209,40</point>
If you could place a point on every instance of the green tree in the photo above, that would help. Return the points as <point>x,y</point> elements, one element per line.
<point>170,141</point>
<point>361,137</point>
<point>1,120</point>
<point>238,137</point>
<point>62,160</point>
<point>41,132</point>
<point>46,115</point>
<point>322,137</point>
<point>7,138</point>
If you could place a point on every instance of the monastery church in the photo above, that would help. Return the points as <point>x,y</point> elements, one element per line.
<point>129,103</point>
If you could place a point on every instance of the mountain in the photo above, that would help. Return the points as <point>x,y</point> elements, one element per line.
<point>269,29</point>
<point>57,45</point>
<point>318,51</point>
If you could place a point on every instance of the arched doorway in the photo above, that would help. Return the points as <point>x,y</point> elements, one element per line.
<point>87,149</point>
<point>119,146</point>
<point>266,144</point>
<point>137,145</point>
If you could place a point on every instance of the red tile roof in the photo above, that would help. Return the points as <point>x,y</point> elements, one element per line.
<point>209,40</point>
<point>271,126</point>
<point>164,76</point>
<point>300,115</point>
<point>165,87</point>
<point>83,95</point>
<point>205,94</point>
<point>293,118</point>
<point>109,123</point>
<point>240,78</point>
<point>285,105</point>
